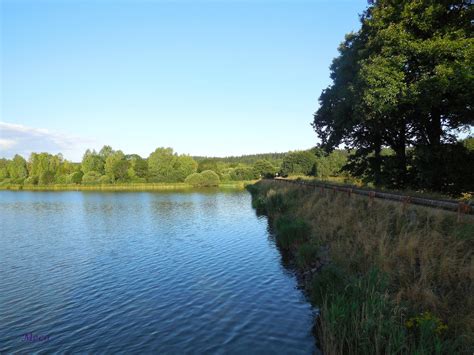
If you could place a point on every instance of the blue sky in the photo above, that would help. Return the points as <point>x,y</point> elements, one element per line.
<point>209,78</point>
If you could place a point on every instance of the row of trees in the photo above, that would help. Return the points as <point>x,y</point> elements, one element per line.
<point>113,166</point>
<point>163,165</point>
<point>405,81</point>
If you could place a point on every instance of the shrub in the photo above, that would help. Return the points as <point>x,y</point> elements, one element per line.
<point>299,162</point>
<point>210,178</point>
<point>5,182</point>
<point>105,179</point>
<point>207,178</point>
<point>136,179</point>
<point>291,232</point>
<point>75,178</point>
<point>243,173</point>
<point>194,179</point>
<point>61,179</point>
<point>18,180</point>
<point>263,168</point>
<point>32,180</point>
<point>46,178</point>
<point>225,177</point>
<point>306,254</point>
<point>91,177</point>
<point>327,283</point>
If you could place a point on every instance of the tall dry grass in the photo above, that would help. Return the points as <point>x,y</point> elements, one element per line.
<point>426,253</point>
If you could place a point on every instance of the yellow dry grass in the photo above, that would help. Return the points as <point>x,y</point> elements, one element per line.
<point>427,253</point>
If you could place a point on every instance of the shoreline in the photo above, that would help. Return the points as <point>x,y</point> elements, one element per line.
<point>237,185</point>
<point>369,270</point>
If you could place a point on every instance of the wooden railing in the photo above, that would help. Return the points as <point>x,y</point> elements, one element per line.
<point>455,206</point>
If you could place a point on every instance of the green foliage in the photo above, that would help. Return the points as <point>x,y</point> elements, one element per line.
<point>246,160</point>
<point>46,178</point>
<point>31,180</point>
<point>263,168</point>
<point>298,162</point>
<point>225,177</point>
<point>469,143</point>
<point>116,166</point>
<point>195,179</point>
<point>138,167</point>
<point>210,178</point>
<point>74,178</point>
<point>242,173</point>
<point>166,166</point>
<point>360,312</point>
<point>208,164</point>
<point>92,161</point>
<point>163,165</point>
<point>184,166</point>
<point>291,232</point>
<point>207,178</point>
<point>447,168</point>
<point>17,168</point>
<point>404,79</point>
<point>4,169</point>
<point>306,254</point>
<point>105,152</point>
<point>91,177</point>
<point>44,167</point>
<point>105,179</point>
<point>327,284</point>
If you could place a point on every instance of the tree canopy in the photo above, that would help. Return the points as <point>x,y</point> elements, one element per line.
<point>405,81</point>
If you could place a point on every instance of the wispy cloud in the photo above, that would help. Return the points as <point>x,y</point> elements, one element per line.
<point>23,140</point>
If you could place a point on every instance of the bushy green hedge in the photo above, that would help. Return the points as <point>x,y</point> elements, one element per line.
<point>207,178</point>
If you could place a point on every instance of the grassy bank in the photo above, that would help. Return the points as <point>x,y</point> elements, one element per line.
<point>387,278</point>
<point>121,187</point>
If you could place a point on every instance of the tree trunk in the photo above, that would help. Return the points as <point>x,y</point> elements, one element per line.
<point>377,163</point>
<point>435,130</point>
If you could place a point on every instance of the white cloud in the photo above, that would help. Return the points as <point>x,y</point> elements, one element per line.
<point>23,140</point>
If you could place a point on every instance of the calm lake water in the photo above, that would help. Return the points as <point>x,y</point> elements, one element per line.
<point>140,272</point>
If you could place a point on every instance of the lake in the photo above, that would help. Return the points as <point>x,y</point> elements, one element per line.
<point>141,272</point>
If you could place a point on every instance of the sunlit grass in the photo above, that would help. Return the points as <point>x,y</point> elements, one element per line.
<point>425,256</point>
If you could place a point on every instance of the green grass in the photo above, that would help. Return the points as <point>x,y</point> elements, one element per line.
<point>306,254</point>
<point>358,316</point>
<point>291,232</point>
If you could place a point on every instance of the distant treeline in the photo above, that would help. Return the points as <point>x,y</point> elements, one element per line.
<point>109,166</point>
<point>250,159</point>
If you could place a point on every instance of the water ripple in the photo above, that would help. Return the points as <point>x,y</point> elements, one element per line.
<point>140,272</point>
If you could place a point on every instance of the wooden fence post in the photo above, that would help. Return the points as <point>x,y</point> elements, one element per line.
<point>463,208</point>
<point>371,197</point>
<point>405,201</point>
